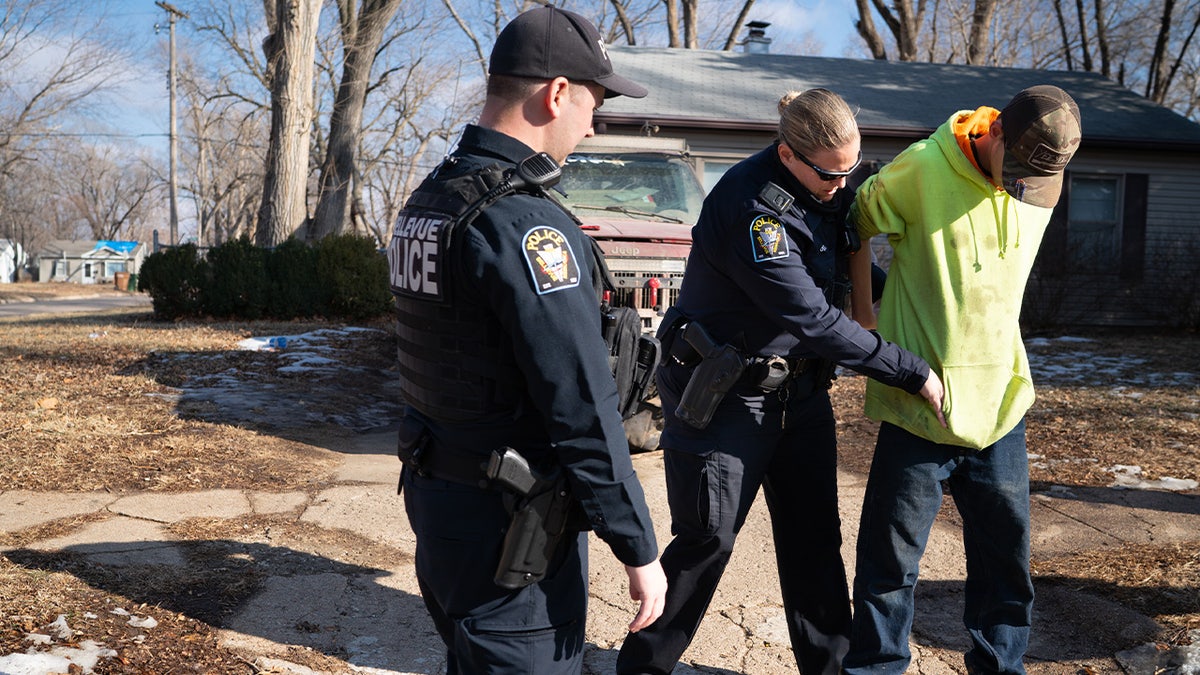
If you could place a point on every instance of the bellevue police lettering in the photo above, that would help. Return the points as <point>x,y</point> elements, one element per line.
<point>551,260</point>
<point>414,254</point>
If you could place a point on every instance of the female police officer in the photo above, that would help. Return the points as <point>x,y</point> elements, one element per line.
<point>760,314</point>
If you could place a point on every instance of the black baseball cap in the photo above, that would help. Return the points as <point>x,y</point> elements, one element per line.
<point>548,42</point>
<point>1041,133</point>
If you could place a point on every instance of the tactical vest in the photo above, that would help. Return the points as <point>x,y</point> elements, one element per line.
<point>449,362</point>
<point>452,356</point>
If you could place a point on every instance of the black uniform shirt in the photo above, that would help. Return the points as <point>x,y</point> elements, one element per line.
<point>750,276</point>
<point>527,262</point>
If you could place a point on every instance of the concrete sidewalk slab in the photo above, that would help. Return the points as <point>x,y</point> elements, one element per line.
<point>119,542</point>
<point>20,509</point>
<point>373,511</point>
<point>174,506</point>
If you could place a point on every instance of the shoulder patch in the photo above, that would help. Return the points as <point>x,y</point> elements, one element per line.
<point>767,239</point>
<point>551,261</point>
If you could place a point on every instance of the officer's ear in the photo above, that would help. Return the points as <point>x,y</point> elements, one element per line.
<point>557,96</point>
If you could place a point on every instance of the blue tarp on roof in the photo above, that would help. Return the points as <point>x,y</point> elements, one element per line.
<point>118,246</point>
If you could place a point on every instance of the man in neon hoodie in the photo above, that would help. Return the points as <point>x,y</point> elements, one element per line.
<point>964,211</point>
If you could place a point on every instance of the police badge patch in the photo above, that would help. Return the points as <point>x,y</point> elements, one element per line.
<point>767,239</point>
<point>551,260</point>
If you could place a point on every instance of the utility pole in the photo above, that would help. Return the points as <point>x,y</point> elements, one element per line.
<point>172,15</point>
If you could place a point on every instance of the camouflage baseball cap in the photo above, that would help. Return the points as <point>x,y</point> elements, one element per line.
<point>1041,133</point>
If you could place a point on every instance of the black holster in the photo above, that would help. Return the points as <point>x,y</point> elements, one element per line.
<point>534,536</point>
<point>542,508</point>
<point>719,369</point>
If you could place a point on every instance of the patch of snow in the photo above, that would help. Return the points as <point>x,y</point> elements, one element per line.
<point>58,660</point>
<point>1130,477</point>
<point>143,622</point>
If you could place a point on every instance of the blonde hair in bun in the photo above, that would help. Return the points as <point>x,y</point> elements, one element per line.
<point>815,120</point>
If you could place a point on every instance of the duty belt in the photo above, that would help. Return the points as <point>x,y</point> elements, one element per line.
<point>771,373</point>
<point>436,461</point>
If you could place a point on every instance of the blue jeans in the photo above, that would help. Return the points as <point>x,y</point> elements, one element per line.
<point>904,492</point>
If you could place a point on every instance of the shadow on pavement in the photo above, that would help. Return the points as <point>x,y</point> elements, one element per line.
<point>350,612</point>
<point>1154,500</point>
<point>1073,619</point>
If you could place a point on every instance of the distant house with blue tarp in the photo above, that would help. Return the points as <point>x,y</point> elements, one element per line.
<point>89,261</point>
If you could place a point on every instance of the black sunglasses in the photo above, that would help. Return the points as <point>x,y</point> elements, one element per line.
<point>828,175</point>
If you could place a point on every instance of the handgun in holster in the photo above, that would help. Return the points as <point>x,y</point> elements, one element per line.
<point>719,369</point>
<point>539,519</point>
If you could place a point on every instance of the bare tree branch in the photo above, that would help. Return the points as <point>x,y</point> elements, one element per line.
<point>480,53</point>
<point>740,21</point>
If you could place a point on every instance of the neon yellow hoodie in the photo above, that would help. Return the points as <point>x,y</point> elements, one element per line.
<point>963,249</point>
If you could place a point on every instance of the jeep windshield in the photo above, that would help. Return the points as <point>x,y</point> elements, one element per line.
<point>643,186</point>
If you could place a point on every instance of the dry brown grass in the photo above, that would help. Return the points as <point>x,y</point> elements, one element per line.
<point>89,403</point>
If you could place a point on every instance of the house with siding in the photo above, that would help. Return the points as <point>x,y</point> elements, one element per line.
<point>1123,246</point>
<point>89,261</point>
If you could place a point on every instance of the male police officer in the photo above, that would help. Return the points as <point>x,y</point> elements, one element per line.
<point>500,347</point>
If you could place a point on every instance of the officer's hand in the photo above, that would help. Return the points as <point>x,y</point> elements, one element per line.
<point>934,392</point>
<point>648,584</point>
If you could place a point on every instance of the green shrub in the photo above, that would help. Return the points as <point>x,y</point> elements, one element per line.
<point>295,289</point>
<point>355,273</point>
<point>341,276</point>
<point>174,279</point>
<point>238,283</point>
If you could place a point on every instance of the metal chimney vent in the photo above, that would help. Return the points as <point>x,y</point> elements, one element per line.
<point>757,41</point>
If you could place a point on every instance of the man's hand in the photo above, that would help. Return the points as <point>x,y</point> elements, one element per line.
<point>934,392</point>
<point>647,584</point>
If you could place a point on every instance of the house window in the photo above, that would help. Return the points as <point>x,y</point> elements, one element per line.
<point>1094,227</point>
<point>60,269</point>
<point>111,268</point>
<point>713,170</point>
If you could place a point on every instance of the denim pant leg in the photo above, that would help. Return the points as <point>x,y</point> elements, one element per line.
<point>991,491</point>
<point>903,495</point>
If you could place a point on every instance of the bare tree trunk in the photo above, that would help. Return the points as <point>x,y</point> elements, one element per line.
<point>866,30</point>
<point>731,42</point>
<point>1183,50</point>
<point>290,49</point>
<point>1102,38</point>
<point>625,22</point>
<point>1084,44</point>
<point>362,33</point>
<point>904,24</point>
<point>673,23</point>
<point>691,19</point>
<point>1068,53</point>
<point>981,23</point>
<point>1156,83</point>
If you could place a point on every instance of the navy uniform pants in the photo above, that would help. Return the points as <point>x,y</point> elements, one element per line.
<point>488,629</point>
<point>788,447</point>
